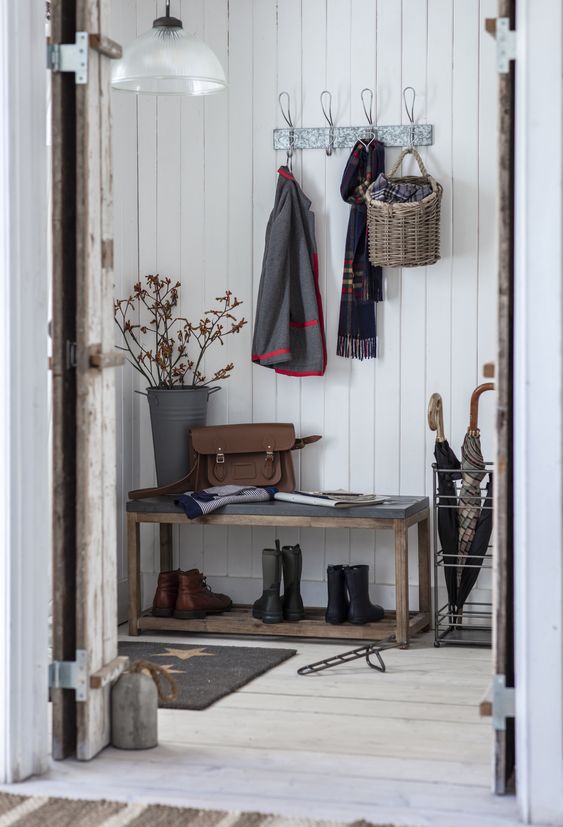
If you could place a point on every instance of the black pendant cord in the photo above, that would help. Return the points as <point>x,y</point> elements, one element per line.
<point>366,651</point>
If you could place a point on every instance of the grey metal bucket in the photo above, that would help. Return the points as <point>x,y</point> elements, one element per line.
<point>173,412</point>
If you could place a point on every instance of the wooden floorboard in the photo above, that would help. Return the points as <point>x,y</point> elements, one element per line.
<point>348,706</point>
<point>406,747</point>
<point>331,734</point>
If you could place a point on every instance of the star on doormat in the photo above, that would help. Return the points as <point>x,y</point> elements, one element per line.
<point>204,674</point>
<point>170,669</point>
<point>185,654</point>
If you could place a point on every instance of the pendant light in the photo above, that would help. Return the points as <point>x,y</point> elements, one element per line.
<point>168,61</point>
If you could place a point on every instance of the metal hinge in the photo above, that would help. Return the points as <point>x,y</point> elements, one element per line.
<point>506,45</point>
<point>70,57</point>
<point>71,674</point>
<point>504,698</point>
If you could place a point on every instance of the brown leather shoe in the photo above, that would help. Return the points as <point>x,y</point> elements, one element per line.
<point>166,594</point>
<point>195,598</point>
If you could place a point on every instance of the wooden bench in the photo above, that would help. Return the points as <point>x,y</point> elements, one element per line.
<point>398,514</point>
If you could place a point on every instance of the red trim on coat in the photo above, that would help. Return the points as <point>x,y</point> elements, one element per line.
<point>294,373</point>
<point>310,323</point>
<point>320,309</point>
<point>285,174</point>
<point>271,353</point>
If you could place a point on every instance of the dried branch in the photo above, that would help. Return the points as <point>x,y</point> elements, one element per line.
<point>166,363</point>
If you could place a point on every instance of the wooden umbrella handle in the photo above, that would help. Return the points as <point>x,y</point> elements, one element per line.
<point>474,409</point>
<point>436,417</point>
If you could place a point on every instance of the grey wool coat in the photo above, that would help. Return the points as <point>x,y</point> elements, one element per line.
<point>288,328</point>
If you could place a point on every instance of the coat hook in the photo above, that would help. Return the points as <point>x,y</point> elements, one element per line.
<point>329,120</point>
<point>289,121</point>
<point>369,114</point>
<point>410,111</point>
<point>369,117</point>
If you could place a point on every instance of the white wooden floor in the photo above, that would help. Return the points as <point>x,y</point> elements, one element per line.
<point>406,747</point>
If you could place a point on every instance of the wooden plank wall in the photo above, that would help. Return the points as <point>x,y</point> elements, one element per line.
<point>194,185</point>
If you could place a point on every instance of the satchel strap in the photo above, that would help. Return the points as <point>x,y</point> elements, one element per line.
<point>305,440</point>
<point>178,487</point>
<point>269,463</point>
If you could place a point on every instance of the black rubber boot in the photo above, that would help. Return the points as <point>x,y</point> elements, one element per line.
<point>268,608</point>
<point>338,603</point>
<point>361,610</point>
<point>292,602</point>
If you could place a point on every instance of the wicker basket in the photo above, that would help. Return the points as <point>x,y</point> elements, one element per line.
<point>405,234</point>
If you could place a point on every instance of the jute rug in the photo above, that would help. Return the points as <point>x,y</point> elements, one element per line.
<point>203,674</point>
<point>63,812</point>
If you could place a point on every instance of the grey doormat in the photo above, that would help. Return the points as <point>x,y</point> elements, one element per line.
<point>35,811</point>
<point>203,674</point>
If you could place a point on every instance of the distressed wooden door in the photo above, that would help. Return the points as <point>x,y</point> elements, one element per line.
<point>84,467</point>
<point>504,732</point>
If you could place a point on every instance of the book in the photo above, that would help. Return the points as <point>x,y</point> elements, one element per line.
<point>332,499</point>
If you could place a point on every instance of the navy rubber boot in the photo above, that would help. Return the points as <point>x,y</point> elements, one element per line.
<point>338,603</point>
<point>361,610</point>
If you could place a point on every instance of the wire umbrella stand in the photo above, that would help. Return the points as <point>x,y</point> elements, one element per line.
<point>470,624</point>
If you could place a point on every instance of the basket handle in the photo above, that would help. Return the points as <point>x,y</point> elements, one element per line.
<point>409,151</point>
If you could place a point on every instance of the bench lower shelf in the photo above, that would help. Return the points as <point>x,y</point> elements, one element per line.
<point>239,621</point>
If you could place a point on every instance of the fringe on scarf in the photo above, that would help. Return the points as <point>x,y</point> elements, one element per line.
<point>356,348</point>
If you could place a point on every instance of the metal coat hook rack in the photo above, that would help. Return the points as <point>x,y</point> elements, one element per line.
<point>333,137</point>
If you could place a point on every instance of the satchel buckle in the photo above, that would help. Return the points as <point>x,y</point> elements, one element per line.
<point>220,458</point>
<point>269,463</point>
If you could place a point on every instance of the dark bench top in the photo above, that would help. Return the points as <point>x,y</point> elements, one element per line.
<point>396,508</point>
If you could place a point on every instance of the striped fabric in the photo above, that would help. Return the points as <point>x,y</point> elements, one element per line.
<point>198,503</point>
<point>473,468</point>
<point>362,284</point>
<point>65,812</point>
<point>398,192</point>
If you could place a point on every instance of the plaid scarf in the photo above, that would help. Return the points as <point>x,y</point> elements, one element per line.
<point>398,192</point>
<point>362,284</point>
<point>199,503</point>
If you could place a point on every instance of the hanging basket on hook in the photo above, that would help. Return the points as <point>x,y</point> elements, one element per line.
<point>404,233</point>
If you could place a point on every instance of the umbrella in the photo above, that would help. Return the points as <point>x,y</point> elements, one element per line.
<point>473,472</point>
<point>478,549</point>
<point>447,467</point>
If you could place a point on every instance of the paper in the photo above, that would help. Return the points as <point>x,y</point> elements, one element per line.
<point>329,500</point>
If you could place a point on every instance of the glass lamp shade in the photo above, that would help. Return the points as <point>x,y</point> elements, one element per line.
<point>168,61</point>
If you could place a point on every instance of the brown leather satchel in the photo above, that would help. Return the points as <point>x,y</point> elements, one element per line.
<point>255,454</point>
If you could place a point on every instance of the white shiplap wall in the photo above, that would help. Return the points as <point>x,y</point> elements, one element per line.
<point>194,185</point>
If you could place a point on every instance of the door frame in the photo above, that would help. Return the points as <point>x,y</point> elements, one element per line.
<point>24,593</point>
<point>538,415</point>
<point>24,408</point>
